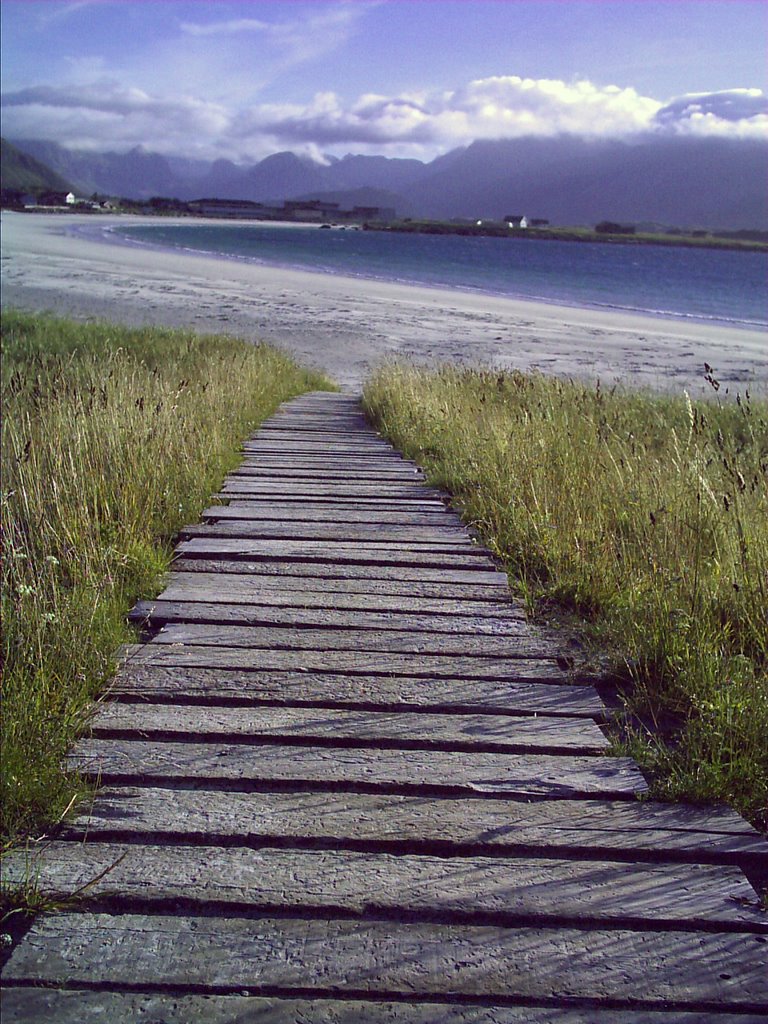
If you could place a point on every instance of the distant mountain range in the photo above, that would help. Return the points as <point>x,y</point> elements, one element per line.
<point>23,173</point>
<point>683,181</point>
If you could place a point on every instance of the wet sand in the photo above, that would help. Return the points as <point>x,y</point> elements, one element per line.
<point>346,326</point>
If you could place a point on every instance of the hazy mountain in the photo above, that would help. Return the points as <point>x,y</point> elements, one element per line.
<point>690,182</point>
<point>22,172</point>
<point>380,172</point>
<point>686,181</point>
<point>137,174</point>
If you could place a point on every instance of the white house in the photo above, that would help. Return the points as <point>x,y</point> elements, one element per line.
<point>516,220</point>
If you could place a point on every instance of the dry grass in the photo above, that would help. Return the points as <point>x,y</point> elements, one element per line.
<point>112,439</point>
<point>647,517</point>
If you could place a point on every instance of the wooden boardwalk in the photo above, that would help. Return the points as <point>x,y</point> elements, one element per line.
<point>344,781</point>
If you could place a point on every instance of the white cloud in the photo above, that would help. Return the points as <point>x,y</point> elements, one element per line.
<point>735,113</point>
<point>226,28</point>
<point>500,107</point>
<point>108,115</point>
<point>293,41</point>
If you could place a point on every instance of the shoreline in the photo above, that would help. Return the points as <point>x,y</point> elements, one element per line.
<point>347,325</point>
<point>110,236</point>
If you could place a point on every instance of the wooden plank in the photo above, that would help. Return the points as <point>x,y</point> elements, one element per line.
<point>296,514</point>
<point>524,645</point>
<point>405,771</point>
<point>491,733</point>
<point>254,469</point>
<point>585,830</point>
<point>718,971</point>
<point>161,611</point>
<point>330,489</point>
<point>385,462</point>
<point>291,443</point>
<point>81,1006</point>
<point>425,503</point>
<point>488,890</point>
<point>472,696</point>
<point>437,538</point>
<point>377,581</point>
<point>279,600</point>
<point>354,663</point>
<point>338,552</point>
<point>293,512</point>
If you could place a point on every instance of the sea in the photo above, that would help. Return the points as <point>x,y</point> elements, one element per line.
<point>713,285</point>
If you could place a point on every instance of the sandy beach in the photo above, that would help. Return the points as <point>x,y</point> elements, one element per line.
<point>347,326</point>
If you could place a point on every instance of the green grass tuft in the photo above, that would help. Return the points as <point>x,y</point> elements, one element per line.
<point>112,439</point>
<point>646,517</point>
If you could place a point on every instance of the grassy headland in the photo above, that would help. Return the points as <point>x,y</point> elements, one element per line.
<point>644,516</point>
<point>111,440</point>
<point>743,241</point>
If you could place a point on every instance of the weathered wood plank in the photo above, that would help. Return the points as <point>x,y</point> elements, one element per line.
<point>329,489</point>
<point>279,512</point>
<point>425,503</point>
<point>354,663</point>
<point>721,971</point>
<point>81,1006</point>
<point>415,537</point>
<point>526,644</point>
<point>405,771</point>
<point>255,470</point>
<point>399,729</point>
<point>488,890</point>
<point>376,581</point>
<point>586,830</point>
<point>163,611</point>
<point>291,443</point>
<point>471,696</point>
<point>327,472</point>
<point>386,462</point>
<point>434,556</point>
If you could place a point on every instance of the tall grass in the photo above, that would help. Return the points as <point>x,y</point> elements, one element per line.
<point>111,440</point>
<point>645,516</point>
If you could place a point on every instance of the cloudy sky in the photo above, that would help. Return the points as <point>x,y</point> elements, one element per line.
<point>396,77</point>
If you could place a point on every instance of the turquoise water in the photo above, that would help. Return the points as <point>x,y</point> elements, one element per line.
<point>705,284</point>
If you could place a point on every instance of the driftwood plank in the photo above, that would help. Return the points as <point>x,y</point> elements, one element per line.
<point>416,537</point>
<point>434,556</point>
<point>376,581</point>
<point>526,644</point>
<point>398,729</point>
<point>721,971</point>
<point>405,771</point>
<point>155,683</point>
<point>585,830</point>
<point>81,1006</point>
<point>197,610</point>
<point>488,890</point>
<point>356,663</point>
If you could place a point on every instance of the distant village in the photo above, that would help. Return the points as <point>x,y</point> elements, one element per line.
<point>303,211</point>
<point>327,214</point>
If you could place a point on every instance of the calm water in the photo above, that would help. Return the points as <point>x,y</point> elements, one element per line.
<point>705,284</point>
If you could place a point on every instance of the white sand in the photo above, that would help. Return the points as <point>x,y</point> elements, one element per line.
<point>346,325</point>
